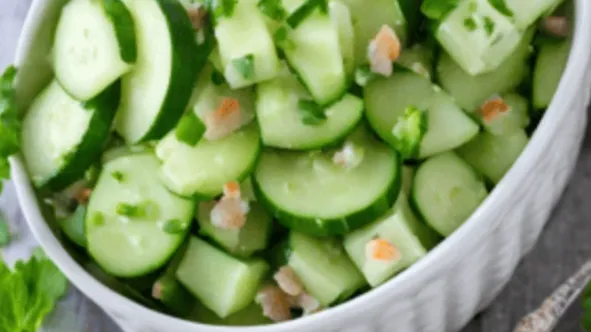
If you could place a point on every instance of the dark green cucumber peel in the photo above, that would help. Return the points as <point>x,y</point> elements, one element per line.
<point>74,228</point>
<point>185,68</point>
<point>89,150</point>
<point>333,227</point>
<point>124,27</point>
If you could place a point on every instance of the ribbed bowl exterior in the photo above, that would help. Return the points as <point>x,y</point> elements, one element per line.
<point>443,291</point>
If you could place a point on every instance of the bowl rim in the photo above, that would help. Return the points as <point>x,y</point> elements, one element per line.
<point>415,276</point>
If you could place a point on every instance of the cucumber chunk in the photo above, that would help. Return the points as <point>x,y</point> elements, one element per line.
<point>155,96</point>
<point>61,137</point>
<point>387,100</point>
<point>307,192</point>
<point>251,316</point>
<point>367,21</point>
<point>254,236</point>
<point>222,283</point>
<point>525,13</point>
<point>341,18</point>
<point>317,61</point>
<point>494,155</point>
<point>203,170</point>
<point>549,67</point>
<point>395,228</point>
<point>245,34</point>
<point>324,268</point>
<point>73,226</point>
<point>514,120</point>
<point>446,191</point>
<point>90,52</point>
<point>477,36</point>
<point>280,117</point>
<point>418,58</point>
<point>471,91</point>
<point>128,215</point>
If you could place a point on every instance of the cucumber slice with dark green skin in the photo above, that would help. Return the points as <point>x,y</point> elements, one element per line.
<point>168,290</point>
<point>341,18</point>
<point>243,242</point>
<point>527,12</point>
<point>549,67</point>
<point>224,284</point>
<point>280,116</point>
<point>73,226</point>
<point>446,191</point>
<point>367,21</point>
<point>471,91</point>
<point>324,268</point>
<point>250,316</point>
<point>204,169</point>
<point>395,228</point>
<point>494,155</point>
<point>133,223</point>
<point>387,100</point>
<point>307,192</point>
<point>155,97</point>
<point>61,137</point>
<point>94,46</point>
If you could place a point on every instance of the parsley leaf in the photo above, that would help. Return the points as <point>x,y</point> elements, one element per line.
<point>10,125</point>
<point>245,66</point>
<point>273,9</point>
<point>311,113</point>
<point>29,293</point>
<point>438,9</point>
<point>409,131</point>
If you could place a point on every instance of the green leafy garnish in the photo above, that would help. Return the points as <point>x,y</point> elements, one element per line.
<point>501,6</point>
<point>29,293</point>
<point>409,131</point>
<point>130,210</point>
<point>245,66</point>
<point>364,75</point>
<point>311,113</point>
<point>5,236</point>
<point>190,129</point>
<point>438,9</point>
<point>10,124</point>
<point>118,176</point>
<point>470,24</point>
<point>221,8</point>
<point>273,9</point>
<point>174,226</point>
<point>489,25</point>
<point>300,14</point>
<point>281,38</point>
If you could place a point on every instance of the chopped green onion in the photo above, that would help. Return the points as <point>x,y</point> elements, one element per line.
<point>409,132</point>
<point>118,176</point>
<point>273,9</point>
<point>311,113</point>
<point>190,129</point>
<point>245,66</point>
<point>174,226</point>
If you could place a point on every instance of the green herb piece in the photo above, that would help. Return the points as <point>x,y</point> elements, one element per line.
<point>5,236</point>
<point>302,13</point>
<point>190,129</point>
<point>438,9</point>
<point>174,226</point>
<point>118,176</point>
<point>273,9</point>
<point>501,6</point>
<point>311,113</point>
<point>130,210</point>
<point>10,124</point>
<point>409,132</point>
<point>221,8</point>
<point>217,78</point>
<point>364,75</point>
<point>470,24</point>
<point>29,293</point>
<point>281,38</point>
<point>73,226</point>
<point>489,25</point>
<point>245,66</point>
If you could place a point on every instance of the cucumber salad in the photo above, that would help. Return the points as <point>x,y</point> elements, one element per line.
<point>243,162</point>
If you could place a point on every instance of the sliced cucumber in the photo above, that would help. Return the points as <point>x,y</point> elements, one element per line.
<point>155,96</point>
<point>254,236</point>
<point>128,218</point>
<point>549,67</point>
<point>524,13</point>
<point>477,36</point>
<point>367,21</point>
<point>341,18</point>
<point>317,61</point>
<point>73,226</point>
<point>241,35</point>
<point>221,282</point>
<point>471,91</point>
<point>408,174</point>
<point>418,58</point>
<point>203,170</point>
<point>307,192</point>
<point>515,119</point>
<point>428,237</point>
<point>252,315</point>
<point>494,155</point>
<point>394,228</point>
<point>61,137</point>
<point>387,99</point>
<point>446,191</point>
<point>94,46</point>
<point>280,118</point>
<point>324,268</point>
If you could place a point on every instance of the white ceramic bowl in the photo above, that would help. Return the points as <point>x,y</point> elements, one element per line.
<point>439,293</point>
